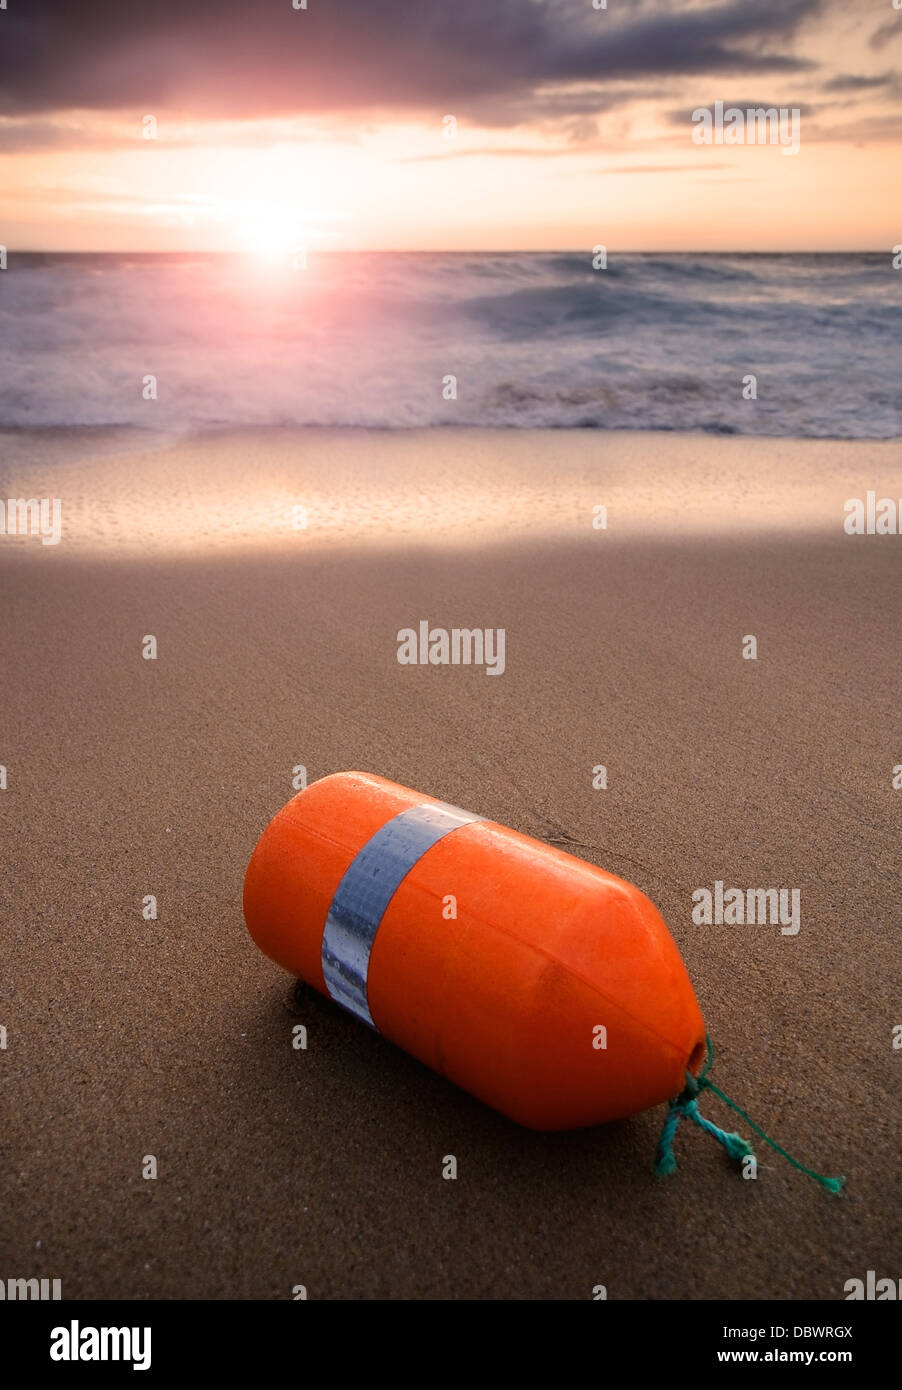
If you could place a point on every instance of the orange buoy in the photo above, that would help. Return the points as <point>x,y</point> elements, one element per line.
<point>543,985</point>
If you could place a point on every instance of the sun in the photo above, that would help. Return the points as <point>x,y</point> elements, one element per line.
<point>272,239</point>
<point>270,231</point>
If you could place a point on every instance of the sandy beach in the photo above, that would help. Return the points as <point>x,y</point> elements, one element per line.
<point>275,569</point>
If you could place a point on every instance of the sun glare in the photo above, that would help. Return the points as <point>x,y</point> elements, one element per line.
<point>270,231</point>
<point>271,240</point>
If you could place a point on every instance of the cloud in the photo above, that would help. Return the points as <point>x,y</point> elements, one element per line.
<point>682,115</point>
<point>19,135</point>
<point>233,58</point>
<point>695,166</point>
<point>885,34</point>
<point>502,152</point>
<point>852,82</point>
<point>88,130</point>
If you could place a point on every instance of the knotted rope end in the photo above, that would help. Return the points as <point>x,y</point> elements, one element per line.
<point>666,1164</point>
<point>736,1147</point>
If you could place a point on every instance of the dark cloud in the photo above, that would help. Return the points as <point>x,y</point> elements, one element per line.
<point>239,58</point>
<point>852,82</point>
<point>682,115</point>
<point>886,33</point>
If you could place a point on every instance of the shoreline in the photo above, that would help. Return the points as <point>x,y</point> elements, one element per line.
<point>125,495</point>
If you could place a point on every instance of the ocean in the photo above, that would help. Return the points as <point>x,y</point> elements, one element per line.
<point>656,342</point>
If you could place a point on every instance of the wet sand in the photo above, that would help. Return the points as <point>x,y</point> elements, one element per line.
<point>277,647</point>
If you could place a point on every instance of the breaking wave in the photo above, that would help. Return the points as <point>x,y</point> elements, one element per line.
<point>540,339</point>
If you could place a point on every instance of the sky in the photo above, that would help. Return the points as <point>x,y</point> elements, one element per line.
<point>445,125</point>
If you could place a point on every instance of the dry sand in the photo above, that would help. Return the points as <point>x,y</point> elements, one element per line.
<point>323,1167</point>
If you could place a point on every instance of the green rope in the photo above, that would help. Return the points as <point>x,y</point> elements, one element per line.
<point>737,1148</point>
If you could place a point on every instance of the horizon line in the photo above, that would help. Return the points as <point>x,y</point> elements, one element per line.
<point>455,251</point>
